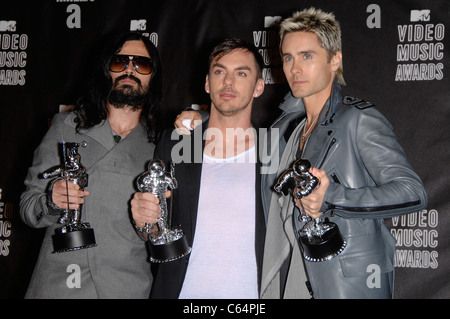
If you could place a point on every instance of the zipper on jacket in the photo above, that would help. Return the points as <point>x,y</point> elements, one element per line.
<point>335,178</point>
<point>372,209</point>
<point>326,153</point>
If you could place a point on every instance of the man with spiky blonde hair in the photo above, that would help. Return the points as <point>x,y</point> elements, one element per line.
<point>324,25</point>
<point>363,172</point>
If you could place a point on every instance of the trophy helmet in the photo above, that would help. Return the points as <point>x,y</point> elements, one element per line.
<point>156,168</point>
<point>301,166</point>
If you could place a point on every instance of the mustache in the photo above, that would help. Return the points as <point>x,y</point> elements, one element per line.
<point>227,90</point>
<point>127,76</point>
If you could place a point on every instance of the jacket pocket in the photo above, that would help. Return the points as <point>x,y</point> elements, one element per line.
<point>335,178</point>
<point>365,263</point>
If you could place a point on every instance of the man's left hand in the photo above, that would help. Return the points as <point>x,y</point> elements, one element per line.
<point>313,201</point>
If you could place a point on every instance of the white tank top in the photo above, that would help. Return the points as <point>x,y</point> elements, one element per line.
<point>223,262</point>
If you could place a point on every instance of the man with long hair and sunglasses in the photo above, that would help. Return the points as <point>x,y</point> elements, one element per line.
<point>114,124</point>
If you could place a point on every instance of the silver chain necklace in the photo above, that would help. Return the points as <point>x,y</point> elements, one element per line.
<point>306,134</point>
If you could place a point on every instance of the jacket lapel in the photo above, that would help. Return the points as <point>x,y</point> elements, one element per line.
<point>193,173</point>
<point>319,143</point>
<point>102,133</point>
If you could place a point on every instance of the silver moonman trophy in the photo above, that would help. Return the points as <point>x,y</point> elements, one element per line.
<point>74,234</point>
<point>166,244</point>
<point>320,240</point>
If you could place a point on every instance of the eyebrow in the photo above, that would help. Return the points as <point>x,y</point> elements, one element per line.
<point>239,68</point>
<point>301,52</point>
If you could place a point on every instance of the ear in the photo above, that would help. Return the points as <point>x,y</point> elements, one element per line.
<point>207,84</point>
<point>336,61</point>
<point>259,88</point>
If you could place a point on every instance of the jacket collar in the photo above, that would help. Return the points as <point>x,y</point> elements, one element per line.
<point>102,132</point>
<point>291,104</point>
<point>330,106</point>
<point>319,143</point>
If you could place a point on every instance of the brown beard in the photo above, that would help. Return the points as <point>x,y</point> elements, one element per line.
<point>126,95</point>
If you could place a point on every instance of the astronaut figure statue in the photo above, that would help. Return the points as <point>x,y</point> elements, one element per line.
<point>74,234</point>
<point>320,240</point>
<point>298,179</point>
<point>166,244</point>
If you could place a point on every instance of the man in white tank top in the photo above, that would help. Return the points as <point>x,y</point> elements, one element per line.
<point>223,262</point>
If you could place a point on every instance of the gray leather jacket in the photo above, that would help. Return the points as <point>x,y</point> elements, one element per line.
<point>370,179</point>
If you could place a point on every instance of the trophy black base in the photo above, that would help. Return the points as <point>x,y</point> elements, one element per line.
<point>73,240</point>
<point>324,247</point>
<point>169,251</point>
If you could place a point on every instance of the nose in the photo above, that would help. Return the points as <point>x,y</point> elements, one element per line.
<point>228,80</point>
<point>296,68</point>
<point>130,67</point>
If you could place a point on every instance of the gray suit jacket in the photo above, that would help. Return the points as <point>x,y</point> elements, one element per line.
<point>118,266</point>
<point>370,179</point>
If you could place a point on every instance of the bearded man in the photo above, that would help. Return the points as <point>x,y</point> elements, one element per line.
<point>114,124</point>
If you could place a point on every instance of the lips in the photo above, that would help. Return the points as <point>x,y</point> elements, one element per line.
<point>227,95</point>
<point>128,79</point>
<point>298,82</point>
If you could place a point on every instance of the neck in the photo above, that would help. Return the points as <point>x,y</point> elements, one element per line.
<point>315,103</point>
<point>313,106</point>
<point>123,120</point>
<point>222,122</point>
<point>228,135</point>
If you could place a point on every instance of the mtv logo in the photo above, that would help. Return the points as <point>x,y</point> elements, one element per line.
<point>420,15</point>
<point>8,25</point>
<point>270,22</point>
<point>138,25</point>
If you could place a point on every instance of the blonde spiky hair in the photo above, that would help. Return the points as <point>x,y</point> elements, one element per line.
<point>323,24</point>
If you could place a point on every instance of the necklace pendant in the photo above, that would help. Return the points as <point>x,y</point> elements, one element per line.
<point>117,138</point>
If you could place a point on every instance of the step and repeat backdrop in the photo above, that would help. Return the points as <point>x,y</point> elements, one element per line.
<point>396,55</point>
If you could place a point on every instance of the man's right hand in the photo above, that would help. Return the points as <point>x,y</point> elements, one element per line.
<point>145,208</point>
<point>76,196</point>
<point>193,116</point>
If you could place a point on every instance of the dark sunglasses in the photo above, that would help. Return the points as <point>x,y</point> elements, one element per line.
<point>141,64</point>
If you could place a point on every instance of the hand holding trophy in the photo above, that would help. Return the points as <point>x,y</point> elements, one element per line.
<point>166,244</point>
<point>74,234</point>
<point>320,240</point>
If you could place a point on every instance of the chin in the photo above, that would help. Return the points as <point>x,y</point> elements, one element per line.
<point>298,94</point>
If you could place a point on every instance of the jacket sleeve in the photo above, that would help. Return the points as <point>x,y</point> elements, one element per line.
<point>34,210</point>
<point>391,187</point>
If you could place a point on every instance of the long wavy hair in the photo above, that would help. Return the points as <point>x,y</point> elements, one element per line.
<point>91,109</point>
